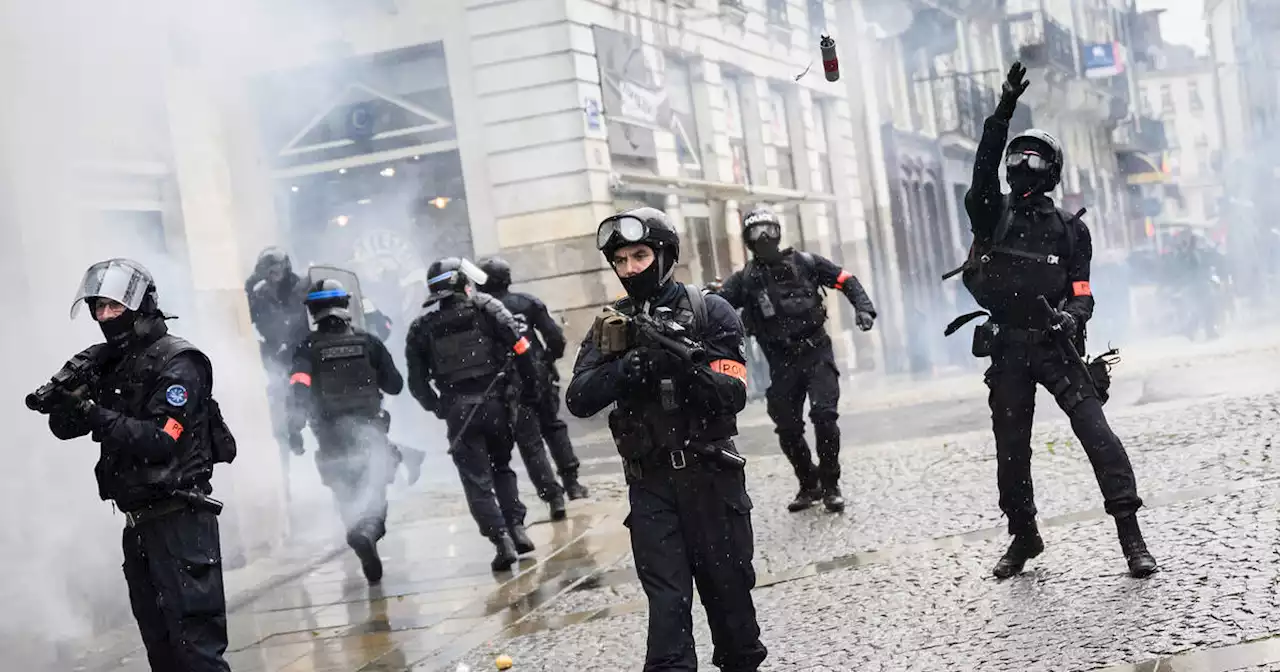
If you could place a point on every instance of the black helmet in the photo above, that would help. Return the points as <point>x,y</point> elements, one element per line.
<point>499,272</point>
<point>127,283</point>
<point>328,298</point>
<point>273,257</point>
<point>1042,144</point>
<point>761,222</point>
<point>647,226</point>
<point>445,276</point>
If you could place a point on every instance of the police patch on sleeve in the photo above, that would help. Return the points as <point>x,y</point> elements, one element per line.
<point>176,395</point>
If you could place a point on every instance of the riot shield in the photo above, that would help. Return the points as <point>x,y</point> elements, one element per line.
<point>348,280</point>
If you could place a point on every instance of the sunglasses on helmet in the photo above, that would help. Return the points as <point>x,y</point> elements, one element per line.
<point>1031,159</point>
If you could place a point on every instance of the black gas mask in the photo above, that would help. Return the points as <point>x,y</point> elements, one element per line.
<point>763,240</point>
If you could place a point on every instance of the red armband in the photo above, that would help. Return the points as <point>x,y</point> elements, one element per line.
<point>730,368</point>
<point>1081,288</point>
<point>173,428</point>
<point>300,379</point>
<point>521,345</point>
<point>844,275</point>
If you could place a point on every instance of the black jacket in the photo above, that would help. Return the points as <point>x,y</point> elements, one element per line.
<point>712,394</point>
<point>1031,225</point>
<point>151,419</point>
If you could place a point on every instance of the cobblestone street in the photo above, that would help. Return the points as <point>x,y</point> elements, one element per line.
<point>901,581</point>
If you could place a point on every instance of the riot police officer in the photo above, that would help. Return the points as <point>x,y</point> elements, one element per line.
<point>465,342</point>
<point>547,343</point>
<point>781,294</point>
<point>678,383</point>
<point>1029,266</point>
<point>338,377</point>
<point>275,296</point>
<point>147,397</point>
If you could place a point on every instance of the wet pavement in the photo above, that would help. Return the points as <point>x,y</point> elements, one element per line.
<point>898,582</point>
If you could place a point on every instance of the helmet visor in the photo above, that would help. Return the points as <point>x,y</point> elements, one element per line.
<point>619,230</point>
<point>119,280</point>
<point>763,230</point>
<point>1029,158</point>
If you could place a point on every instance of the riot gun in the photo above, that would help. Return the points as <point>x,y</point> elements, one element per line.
<point>80,373</point>
<point>621,332</point>
<point>1065,347</point>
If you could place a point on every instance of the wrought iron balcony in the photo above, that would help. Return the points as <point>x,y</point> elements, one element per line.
<point>1039,41</point>
<point>1143,134</point>
<point>962,102</point>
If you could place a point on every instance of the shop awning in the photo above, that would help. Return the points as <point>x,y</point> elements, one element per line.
<point>721,191</point>
<point>1139,167</point>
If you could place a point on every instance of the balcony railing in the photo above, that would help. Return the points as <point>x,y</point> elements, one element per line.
<point>1143,134</point>
<point>1039,41</point>
<point>963,101</point>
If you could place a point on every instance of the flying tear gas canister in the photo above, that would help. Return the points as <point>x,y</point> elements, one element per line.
<point>830,64</point>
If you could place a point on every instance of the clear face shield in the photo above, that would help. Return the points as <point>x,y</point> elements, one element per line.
<point>119,280</point>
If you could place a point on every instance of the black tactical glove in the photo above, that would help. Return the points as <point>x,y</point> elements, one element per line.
<point>1060,320</point>
<point>295,443</point>
<point>1013,87</point>
<point>636,368</point>
<point>864,320</point>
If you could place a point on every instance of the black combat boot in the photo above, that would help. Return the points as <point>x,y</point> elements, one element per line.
<point>367,551</point>
<point>805,498</point>
<point>833,499</point>
<point>522,541</point>
<point>1141,563</point>
<point>1025,545</point>
<point>557,508</point>
<point>506,555</point>
<point>573,488</point>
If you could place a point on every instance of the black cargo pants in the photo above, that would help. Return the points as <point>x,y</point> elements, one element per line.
<point>357,462</point>
<point>540,422</point>
<point>808,369</point>
<point>692,525</point>
<point>1016,367</point>
<point>483,457</point>
<point>173,565</point>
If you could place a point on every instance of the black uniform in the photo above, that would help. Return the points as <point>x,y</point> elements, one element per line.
<point>277,313</point>
<point>1026,252</point>
<point>783,308</point>
<point>542,420</point>
<point>339,375</point>
<point>464,345</point>
<point>154,417</point>
<point>690,517</point>
<point>674,424</point>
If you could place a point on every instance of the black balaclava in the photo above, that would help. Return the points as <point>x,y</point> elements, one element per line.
<point>648,283</point>
<point>766,249</point>
<point>1025,182</point>
<point>132,326</point>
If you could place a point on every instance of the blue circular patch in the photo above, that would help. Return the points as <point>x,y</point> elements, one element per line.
<point>176,395</point>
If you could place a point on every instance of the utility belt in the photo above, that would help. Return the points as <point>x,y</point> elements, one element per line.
<point>177,501</point>
<point>988,335</point>
<point>664,462</point>
<point>793,345</point>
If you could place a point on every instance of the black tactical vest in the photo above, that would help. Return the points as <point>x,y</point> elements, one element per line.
<point>1026,258</point>
<point>786,303</point>
<point>126,388</point>
<point>461,349</point>
<point>643,427</point>
<point>344,380</point>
